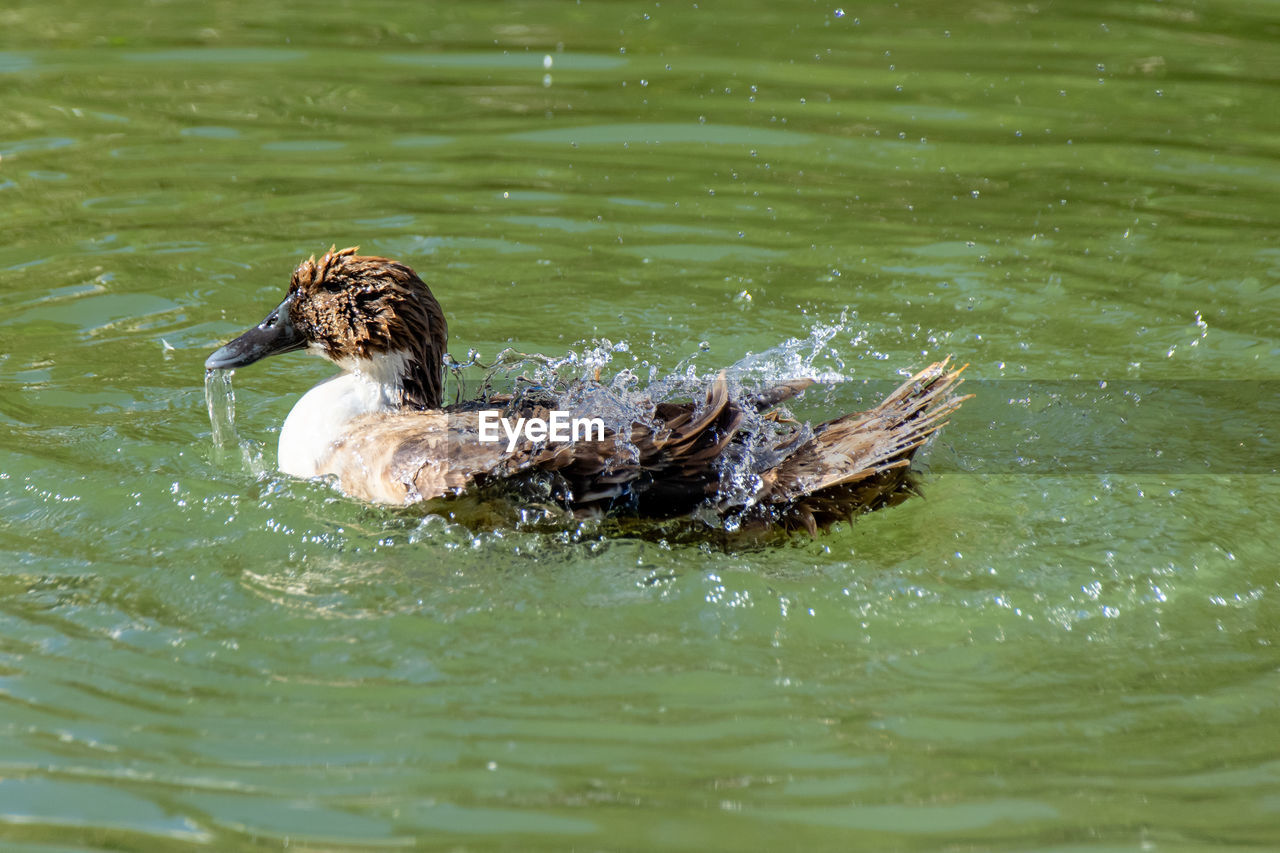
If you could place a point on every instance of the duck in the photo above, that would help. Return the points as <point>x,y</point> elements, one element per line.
<point>381,430</point>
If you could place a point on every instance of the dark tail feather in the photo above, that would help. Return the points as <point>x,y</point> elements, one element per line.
<point>860,461</point>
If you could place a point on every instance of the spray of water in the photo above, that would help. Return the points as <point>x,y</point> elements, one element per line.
<point>603,379</point>
<point>228,447</point>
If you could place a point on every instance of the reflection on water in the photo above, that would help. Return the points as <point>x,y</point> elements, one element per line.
<point>1068,643</point>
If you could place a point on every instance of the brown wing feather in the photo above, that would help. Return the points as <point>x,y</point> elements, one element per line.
<point>413,456</point>
<point>662,471</point>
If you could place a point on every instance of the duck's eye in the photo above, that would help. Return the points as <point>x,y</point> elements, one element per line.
<point>334,285</point>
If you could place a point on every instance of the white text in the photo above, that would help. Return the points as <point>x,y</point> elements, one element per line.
<point>558,428</point>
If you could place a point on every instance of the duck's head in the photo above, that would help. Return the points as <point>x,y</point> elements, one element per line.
<point>366,314</point>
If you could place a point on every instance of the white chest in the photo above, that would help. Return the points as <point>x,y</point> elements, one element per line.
<point>323,414</point>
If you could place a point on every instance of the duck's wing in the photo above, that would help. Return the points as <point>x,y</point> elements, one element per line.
<point>408,457</point>
<point>860,460</point>
<point>662,468</point>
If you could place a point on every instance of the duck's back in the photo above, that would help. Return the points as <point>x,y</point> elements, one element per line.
<point>666,467</point>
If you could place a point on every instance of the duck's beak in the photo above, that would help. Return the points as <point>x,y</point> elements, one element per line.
<point>272,336</point>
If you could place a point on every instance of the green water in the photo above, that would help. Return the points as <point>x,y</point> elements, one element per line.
<point>1069,645</point>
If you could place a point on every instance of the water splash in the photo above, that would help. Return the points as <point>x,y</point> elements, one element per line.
<point>220,398</point>
<point>580,375</point>
<point>603,379</point>
<point>228,447</point>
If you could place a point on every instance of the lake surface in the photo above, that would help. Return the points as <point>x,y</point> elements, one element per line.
<point>1070,644</point>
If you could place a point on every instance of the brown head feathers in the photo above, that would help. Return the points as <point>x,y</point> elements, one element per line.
<point>358,307</point>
